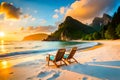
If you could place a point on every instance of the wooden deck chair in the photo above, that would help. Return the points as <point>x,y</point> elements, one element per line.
<point>68,57</point>
<point>57,58</point>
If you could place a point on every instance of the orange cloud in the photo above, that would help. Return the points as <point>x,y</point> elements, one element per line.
<point>24,31</point>
<point>30,28</point>
<point>62,10</point>
<point>21,28</point>
<point>86,10</point>
<point>10,11</point>
<point>55,16</point>
<point>43,29</point>
<point>26,16</point>
<point>39,29</point>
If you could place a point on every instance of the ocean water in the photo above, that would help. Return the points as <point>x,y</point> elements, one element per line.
<point>14,48</point>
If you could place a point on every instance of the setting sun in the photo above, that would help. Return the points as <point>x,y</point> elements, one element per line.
<point>2,34</point>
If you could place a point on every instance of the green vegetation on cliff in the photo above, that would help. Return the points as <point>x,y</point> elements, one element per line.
<point>106,27</point>
<point>109,31</point>
<point>70,29</point>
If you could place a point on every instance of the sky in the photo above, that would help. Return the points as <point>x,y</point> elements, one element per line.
<point>24,17</point>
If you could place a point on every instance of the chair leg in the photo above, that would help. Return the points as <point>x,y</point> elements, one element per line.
<point>47,59</point>
<point>55,64</point>
<point>64,62</point>
<point>67,62</point>
<point>48,63</point>
<point>75,60</point>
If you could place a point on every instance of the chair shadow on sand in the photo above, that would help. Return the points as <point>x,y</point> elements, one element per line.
<point>109,70</point>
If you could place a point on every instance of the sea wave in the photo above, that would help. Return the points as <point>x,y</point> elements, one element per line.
<point>47,50</point>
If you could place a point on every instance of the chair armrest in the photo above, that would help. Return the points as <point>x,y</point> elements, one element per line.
<point>50,55</point>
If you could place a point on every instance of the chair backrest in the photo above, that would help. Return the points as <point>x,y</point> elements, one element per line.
<point>59,55</point>
<point>72,52</point>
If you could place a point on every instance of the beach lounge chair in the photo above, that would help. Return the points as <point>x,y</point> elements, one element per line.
<point>68,57</point>
<point>57,58</point>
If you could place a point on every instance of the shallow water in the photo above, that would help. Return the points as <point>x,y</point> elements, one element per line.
<point>36,47</point>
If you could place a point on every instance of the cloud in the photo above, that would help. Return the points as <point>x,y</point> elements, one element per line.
<point>86,10</point>
<point>33,19</point>
<point>26,16</point>
<point>1,17</point>
<point>57,23</point>
<point>30,28</point>
<point>55,16</point>
<point>59,12</point>
<point>62,10</point>
<point>46,29</point>
<point>10,11</point>
<point>21,28</point>
<point>56,10</point>
<point>38,29</point>
<point>43,21</point>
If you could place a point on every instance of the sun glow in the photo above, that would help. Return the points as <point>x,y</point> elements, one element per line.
<point>2,34</point>
<point>4,64</point>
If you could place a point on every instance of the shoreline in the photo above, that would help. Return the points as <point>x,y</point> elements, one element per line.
<point>101,59</point>
<point>92,48</point>
<point>12,57</point>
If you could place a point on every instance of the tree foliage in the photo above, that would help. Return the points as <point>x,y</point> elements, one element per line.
<point>109,31</point>
<point>118,30</point>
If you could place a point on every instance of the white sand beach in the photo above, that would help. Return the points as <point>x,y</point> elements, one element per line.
<point>96,63</point>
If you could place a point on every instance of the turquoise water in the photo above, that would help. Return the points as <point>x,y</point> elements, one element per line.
<point>36,47</point>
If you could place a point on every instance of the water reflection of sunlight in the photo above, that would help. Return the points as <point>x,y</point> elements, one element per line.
<point>4,64</point>
<point>2,47</point>
<point>5,70</point>
<point>2,41</point>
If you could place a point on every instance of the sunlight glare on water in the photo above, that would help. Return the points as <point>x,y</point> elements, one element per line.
<point>3,64</point>
<point>2,47</point>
